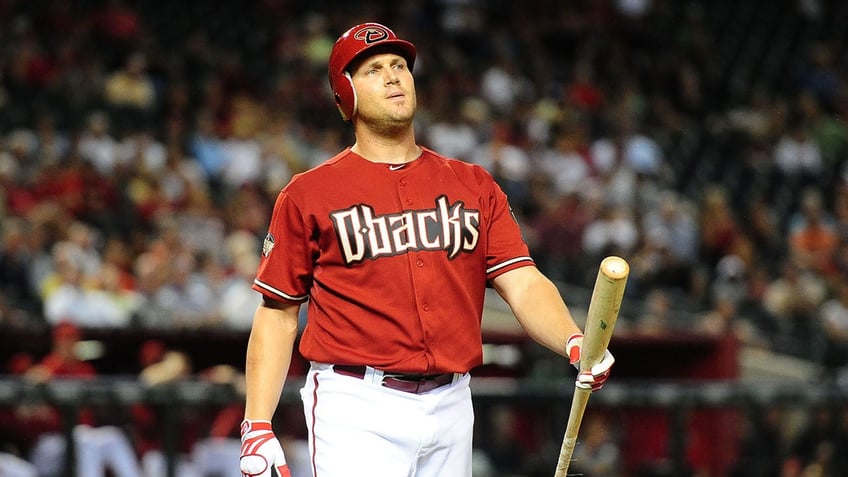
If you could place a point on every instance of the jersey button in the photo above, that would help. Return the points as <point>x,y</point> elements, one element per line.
<point>425,307</point>
<point>408,201</point>
<point>420,262</point>
<point>403,182</point>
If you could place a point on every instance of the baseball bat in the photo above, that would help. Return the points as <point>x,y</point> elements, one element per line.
<point>600,322</point>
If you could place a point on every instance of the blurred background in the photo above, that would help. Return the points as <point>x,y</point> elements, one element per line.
<point>142,145</point>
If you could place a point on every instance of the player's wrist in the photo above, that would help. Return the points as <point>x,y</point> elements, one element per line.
<point>249,425</point>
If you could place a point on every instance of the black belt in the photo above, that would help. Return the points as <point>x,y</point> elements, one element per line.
<point>408,383</point>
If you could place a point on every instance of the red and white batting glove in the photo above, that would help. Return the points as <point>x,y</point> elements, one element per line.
<point>573,347</point>
<point>598,374</point>
<point>261,451</point>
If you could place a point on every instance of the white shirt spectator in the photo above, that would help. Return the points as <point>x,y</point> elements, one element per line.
<point>615,230</point>
<point>97,145</point>
<point>834,314</point>
<point>567,169</point>
<point>243,163</point>
<point>13,466</point>
<point>643,154</point>
<point>85,308</point>
<point>452,139</point>
<point>795,153</point>
<point>142,150</point>
<point>675,223</point>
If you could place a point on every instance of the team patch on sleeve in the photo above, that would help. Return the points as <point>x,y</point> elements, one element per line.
<point>268,245</point>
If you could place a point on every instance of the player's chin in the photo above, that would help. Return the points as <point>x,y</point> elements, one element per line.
<point>399,116</point>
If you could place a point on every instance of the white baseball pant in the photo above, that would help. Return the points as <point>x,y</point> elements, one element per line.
<point>360,427</point>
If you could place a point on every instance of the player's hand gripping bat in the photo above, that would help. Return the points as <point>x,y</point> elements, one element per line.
<point>600,322</point>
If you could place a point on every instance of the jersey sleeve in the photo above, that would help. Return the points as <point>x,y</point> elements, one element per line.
<point>285,268</point>
<point>506,249</point>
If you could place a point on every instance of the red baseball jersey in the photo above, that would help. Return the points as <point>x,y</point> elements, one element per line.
<point>393,259</point>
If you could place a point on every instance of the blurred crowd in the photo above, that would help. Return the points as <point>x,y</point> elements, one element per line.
<point>142,145</point>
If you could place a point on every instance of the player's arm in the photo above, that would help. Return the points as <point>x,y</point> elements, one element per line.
<point>269,353</point>
<point>538,306</point>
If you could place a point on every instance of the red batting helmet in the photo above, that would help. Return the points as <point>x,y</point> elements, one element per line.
<point>353,43</point>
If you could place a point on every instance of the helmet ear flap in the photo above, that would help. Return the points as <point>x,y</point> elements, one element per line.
<point>345,96</point>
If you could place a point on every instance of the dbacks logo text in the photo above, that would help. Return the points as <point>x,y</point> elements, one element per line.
<point>362,235</point>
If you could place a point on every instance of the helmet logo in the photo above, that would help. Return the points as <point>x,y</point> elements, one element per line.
<point>371,35</point>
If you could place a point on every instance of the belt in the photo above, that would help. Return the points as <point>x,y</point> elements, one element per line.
<point>408,383</point>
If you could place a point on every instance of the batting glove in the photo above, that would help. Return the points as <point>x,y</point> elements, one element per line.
<point>573,347</point>
<point>595,378</point>
<point>597,375</point>
<point>261,451</point>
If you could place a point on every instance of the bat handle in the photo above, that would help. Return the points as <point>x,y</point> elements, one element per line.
<point>575,418</point>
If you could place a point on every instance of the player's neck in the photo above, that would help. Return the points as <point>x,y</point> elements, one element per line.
<point>387,149</point>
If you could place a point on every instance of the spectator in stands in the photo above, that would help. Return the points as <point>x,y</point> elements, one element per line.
<point>797,156</point>
<point>89,298</point>
<point>840,208</point>
<point>730,280</point>
<point>51,145</point>
<point>612,232</point>
<point>509,163</point>
<point>97,145</point>
<point>669,243</point>
<point>130,94</point>
<point>142,152</point>
<point>829,131</point>
<point>196,222</point>
<point>725,319</point>
<point>619,179</point>
<point>21,425</point>
<point>792,299</point>
<point>210,444</point>
<point>206,145</point>
<point>814,447</point>
<point>14,466</point>
<point>761,444</point>
<point>598,452</point>
<point>16,287</point>
<point>813,240</point>
<point>241,145</point>
<point>99,448</point>
<point>503,86</point>
<point>316,44</point>
<point>454,130</point>
<point>657,317</point>
<point>117,27</point>
<point>186,295</point>
<point>764,229</point>
<point>160,366</point>
<point>583,92</point>
<point>566,161</point>
<point>236,295</point>
<point>554,231</point>
<point>834,321</point>
<point>504,445</point>
<point>720,231</point>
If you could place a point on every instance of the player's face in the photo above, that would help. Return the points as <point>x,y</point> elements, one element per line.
<point>385,90</point>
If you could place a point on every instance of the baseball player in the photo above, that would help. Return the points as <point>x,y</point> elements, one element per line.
<point>392,246</point>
